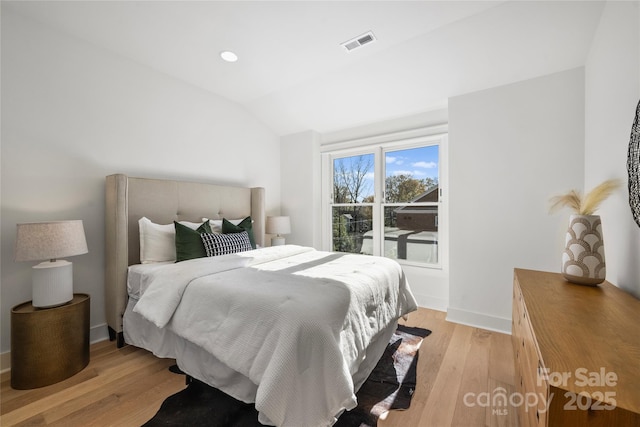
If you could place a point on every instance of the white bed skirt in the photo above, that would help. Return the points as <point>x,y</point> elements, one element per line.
<point>198,363</point>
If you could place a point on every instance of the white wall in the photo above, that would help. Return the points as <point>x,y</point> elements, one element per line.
<point>510,149</point>
<point>535,125</point>
<point>612,91</point>
<point>73,113</point>
<point>300,186</point>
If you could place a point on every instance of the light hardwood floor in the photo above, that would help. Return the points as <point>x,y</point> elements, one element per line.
<point>460,369</point>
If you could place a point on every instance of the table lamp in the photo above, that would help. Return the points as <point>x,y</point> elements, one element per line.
<point>52,280</point>
<point>278,225</point>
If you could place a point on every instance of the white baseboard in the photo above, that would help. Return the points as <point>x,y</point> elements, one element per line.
<point>96,334</point>
<point>433,303</point>
<point>5,362</point>
<point>479,320</point>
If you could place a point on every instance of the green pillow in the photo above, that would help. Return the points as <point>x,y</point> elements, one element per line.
<point>245,225</point>
<point>188,242</point>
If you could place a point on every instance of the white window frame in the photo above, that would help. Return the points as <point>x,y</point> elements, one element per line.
<point>379,146</point>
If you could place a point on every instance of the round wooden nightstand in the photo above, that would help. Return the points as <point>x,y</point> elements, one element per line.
<point>49,345</point>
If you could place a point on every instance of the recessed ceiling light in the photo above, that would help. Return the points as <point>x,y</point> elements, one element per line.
<point>229,56</point>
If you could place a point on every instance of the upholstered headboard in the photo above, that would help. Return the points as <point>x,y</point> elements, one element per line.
<point>162,201</point>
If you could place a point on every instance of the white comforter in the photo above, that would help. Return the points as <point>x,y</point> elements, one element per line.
<point>294,320</point>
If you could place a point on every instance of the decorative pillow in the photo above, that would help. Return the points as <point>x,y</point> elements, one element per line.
<point>222,244</point>
<point>245,225</point>
<point>157,241</point>
<point>188,242</point>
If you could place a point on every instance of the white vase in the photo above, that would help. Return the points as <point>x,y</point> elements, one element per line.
<point>583,257</point>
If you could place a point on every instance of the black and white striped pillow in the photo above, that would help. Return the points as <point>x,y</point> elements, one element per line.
<point>222,244</point>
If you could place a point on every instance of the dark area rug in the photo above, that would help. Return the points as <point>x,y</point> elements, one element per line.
<point>390,386</point>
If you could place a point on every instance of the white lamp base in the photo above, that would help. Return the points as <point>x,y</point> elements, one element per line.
<point>52,283</point>
<point>277,241</point>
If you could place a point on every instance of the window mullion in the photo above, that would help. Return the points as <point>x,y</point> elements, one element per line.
<point>378,222</point>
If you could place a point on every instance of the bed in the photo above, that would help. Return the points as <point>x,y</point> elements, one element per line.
<point>290,328</point>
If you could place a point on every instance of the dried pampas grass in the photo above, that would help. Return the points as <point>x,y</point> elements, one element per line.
<point>591,201</point>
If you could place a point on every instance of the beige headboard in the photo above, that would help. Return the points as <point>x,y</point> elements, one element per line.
<point>162,201</point>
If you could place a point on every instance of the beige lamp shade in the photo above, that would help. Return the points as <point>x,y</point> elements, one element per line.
<point>37,241</point>
<point>278,225</point>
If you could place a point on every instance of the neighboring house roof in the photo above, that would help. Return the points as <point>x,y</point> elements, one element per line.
<point>430,195</point>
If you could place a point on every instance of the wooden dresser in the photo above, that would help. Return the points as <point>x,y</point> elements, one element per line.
<point>577,352</point>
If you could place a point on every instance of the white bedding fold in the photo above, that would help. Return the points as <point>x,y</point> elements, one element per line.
<point>294,320</point>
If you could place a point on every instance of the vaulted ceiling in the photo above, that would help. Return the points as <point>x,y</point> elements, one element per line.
<point>293,73</point>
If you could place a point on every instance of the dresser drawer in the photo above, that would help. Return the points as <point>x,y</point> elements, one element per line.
<point>532,385</point>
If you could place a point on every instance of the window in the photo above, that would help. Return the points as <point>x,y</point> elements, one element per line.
<point>353,196</point>
<point>386,200</point>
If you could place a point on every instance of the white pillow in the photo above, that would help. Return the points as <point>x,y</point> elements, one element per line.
<point>158,241</point>
<point>216,224</point>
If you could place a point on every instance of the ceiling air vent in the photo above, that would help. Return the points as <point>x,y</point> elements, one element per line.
<point>359,41</point>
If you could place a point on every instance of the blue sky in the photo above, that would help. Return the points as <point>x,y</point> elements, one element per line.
<point>420,163</point>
